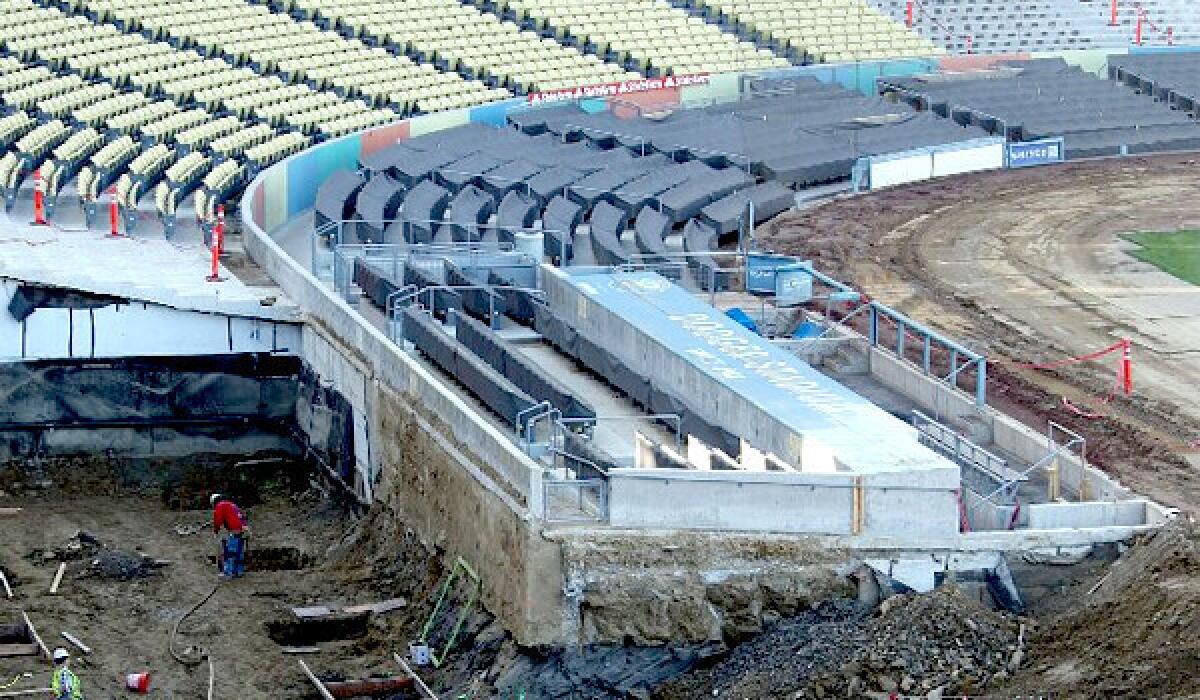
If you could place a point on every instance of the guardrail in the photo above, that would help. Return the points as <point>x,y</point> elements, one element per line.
<point>577,501</point>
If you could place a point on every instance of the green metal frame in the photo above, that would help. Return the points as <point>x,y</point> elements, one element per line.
<point>460,568</point>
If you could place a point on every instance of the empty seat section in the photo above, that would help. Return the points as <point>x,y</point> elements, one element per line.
<point>649,36</point>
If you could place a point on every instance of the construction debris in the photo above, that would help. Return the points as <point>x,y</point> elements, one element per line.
<point>76,643</point>
<point>62,569</point>
<point>25,693</point>
<point>369,687</point>
<point>313,612</point>
<point>425,691</point>
<point>315,681</point>
<point>913,645</point>
<point>37,639</point>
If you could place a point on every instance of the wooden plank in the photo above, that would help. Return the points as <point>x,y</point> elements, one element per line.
<point>369,687</point>
<point>75,641</point>
<point>10,511</point>
<point>314,611</point>
<point>7,650</point>
<point>420,683</point>
<point>62,569</point>
<point>378,608</point>
<point>315,681</point>
<point>44,692</point>
<point>300,650</point>
<point>36,637</point>
<point>7,588</point>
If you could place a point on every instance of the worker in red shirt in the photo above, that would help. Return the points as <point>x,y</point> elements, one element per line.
<point>227,515</point>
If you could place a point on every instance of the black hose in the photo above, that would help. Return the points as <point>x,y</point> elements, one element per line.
<point>198,655</point>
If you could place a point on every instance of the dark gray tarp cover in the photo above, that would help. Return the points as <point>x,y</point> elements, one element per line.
<point>650,229</point>
<point>509,176</point>
<point>607,225</point>
<point>551,181</point>
<point>443,299</point>
<point>377,204</point>
<point>388,158</point>
<point>598,461</point>
<point>478,301</point>
<point>726,214</point>
<point>425,203</point>
<point>640,389</point>
<point>700,238</point>
<point>519,369</point>
<point>420,165</point>
<point>31,297</point>
<point>336,196</point>
<point>469,209</point>
<point>468,170</point>
<point>497,393</point>
<point>686,199</point>
<point>516,211</point>
<point>558,228</point>
<point>518,303</point>
<point>374,282</point>
<point>600,184</point>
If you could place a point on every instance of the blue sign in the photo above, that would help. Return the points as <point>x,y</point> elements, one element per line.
<point>764,269</point>
<point>1025,154</point>
<point>793,285</point>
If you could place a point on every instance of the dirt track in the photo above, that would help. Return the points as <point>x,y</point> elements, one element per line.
<point>1028,267</point>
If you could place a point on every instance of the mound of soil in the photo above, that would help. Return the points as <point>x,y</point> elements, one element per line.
<point>1133,637</point>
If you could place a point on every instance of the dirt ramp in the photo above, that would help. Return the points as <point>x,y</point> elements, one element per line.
<point>1135,636</point>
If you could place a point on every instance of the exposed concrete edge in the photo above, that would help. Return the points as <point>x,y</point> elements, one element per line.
<point>388,363</point>
<point>1000,541</point>
<point>1089,484</point>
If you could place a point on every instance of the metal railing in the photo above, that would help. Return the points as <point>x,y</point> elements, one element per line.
<point>576,501</point>
<point>960,449</point>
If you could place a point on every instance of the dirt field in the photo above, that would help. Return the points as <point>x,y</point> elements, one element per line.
<point>128,621</point>
<point>1027,266</point>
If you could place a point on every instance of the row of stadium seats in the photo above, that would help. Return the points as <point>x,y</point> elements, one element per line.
<point>469,39</point>
<point>99,105</point>
<point>270,42</point>
<point>818,30</point>
<point>650,36</point>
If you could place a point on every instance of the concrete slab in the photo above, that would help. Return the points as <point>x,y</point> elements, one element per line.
<point>152,270</point>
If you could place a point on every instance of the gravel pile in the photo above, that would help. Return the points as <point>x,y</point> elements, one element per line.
<point>121,566</point>
<point>917,645</point>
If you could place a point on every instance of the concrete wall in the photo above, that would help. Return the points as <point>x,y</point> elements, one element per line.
<point>134,330</point>
<point>446,471</point>
<point>935,398</point>
<point>916,504</point>
<point>1085,515</point>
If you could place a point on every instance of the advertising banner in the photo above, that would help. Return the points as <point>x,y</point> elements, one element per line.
<point>624,87</point>
<point>1029,153</point>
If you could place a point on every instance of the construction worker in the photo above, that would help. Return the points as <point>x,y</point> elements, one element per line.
<point>227,515</point>
<point>64,684</point>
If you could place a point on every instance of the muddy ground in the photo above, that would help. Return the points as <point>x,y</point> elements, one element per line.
<point>126,611</point>
<point>1028,267</point>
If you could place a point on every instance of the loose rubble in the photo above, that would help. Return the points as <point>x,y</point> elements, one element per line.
<point>913,644</point>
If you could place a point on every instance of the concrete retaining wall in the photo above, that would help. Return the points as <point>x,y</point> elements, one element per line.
<point>1085,515</point>
<point>915,503</point>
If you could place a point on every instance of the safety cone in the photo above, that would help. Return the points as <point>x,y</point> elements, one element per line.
<point>39,200</point>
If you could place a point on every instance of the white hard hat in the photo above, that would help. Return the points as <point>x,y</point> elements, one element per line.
<point>212,500</point>
<point>60,655</point>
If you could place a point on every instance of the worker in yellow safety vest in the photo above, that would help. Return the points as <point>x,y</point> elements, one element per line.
<point>64,684</point>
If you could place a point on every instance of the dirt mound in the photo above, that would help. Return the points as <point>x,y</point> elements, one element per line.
<point>912,644</point>
<point>1133,637</point>
<point>116,565</point>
